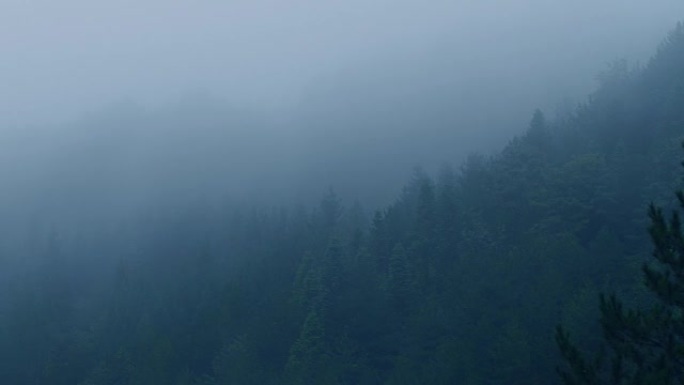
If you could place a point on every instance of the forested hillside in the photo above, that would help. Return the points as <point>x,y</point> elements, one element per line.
<point>462,280</point>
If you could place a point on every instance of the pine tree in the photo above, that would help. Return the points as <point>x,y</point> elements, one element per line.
<point>537,133</point>
<point>646,345</point>
<point>399,279</point>
<point>308,360</point>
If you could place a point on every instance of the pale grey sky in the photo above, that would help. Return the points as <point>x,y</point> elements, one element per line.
<point>62,58</point>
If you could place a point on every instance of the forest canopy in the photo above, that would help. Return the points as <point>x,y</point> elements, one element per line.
<point>462,279</point>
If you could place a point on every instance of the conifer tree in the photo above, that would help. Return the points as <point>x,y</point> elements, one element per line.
<point>308,357</point>
<point>537,133</point>
<point>646,345</point>
<point>399,280</point>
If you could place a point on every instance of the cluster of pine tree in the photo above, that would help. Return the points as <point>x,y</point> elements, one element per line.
<point>461,280</point>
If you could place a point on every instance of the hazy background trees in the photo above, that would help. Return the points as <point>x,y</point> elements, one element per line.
<point>195,243</point>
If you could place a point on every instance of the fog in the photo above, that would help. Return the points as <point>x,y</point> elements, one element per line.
<point>147,101</point>
<point>63,59</point>
<point>338,192</point>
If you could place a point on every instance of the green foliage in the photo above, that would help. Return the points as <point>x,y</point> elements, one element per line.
<point>646,345</point>
<point>309,361</point>
<point>460,280</point>
<point>399,280</point>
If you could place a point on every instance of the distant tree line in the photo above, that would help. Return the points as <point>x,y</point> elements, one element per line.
<point>462,279</point>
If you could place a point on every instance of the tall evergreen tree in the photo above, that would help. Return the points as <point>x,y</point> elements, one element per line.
<point>646,345</point>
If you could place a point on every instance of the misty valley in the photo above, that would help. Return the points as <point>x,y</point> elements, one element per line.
<point>442,229</point>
